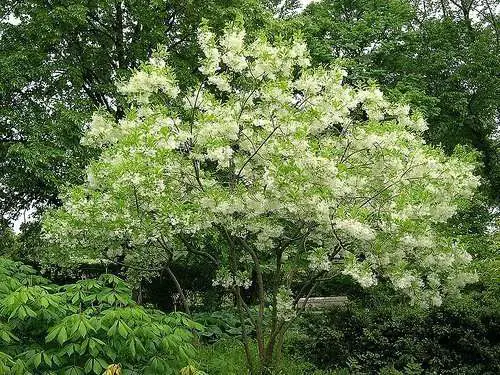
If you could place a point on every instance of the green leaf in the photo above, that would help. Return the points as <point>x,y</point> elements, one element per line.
<point>47,359</point>
<point>98,367</point>
<point>83,346</point>
<point>132,348</point>
<point>100,342</point>
<point>52,334</point>
<point>194,325</point>
<point>37,359</point>
<point>122,329</point>
<point>44,302</point>
<point>112,330</point>
<point>62,336</point>
<point>56,360</point>
<point>82,329</point>
<point>21,312</point>
<point>139,345</point>
<point>74,370</point>
<point>88,365</point>
<point>5,337</point>
<point>30,312</point>
<point>110,352</point>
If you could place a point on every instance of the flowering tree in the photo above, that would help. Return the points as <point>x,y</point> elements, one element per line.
<point>268,168</point>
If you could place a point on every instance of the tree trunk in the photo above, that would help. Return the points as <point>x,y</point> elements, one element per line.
<point>179,290</point>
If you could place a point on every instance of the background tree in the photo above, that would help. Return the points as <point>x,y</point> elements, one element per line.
<point>8,241</point>
<point>287,172</point>
<point>59,61</point>
<point>440,56</point>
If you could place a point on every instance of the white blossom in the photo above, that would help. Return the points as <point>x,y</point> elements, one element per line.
<point>284,304</point>
<point>269,151</point>
<point>356,229</point>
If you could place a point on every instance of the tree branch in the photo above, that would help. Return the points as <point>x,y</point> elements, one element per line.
<point>261,293</point>
<point>257,150</point>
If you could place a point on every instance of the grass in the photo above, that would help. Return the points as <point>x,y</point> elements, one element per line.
<point>227,357</point>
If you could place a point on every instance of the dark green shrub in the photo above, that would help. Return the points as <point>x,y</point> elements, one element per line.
<point>461,337</point>
<point>222,324</point>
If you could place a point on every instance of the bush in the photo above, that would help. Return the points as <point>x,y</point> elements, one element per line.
<point>222,324</point>
<point>84,327</point>
<point>458,338</point>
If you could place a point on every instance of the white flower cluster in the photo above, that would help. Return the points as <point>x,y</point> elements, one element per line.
<point>356,229</point>
<point>417,241</point>
<point>319,260</point>
<point>221,81</point>
<point>406,281</point>
<point>225,279</point>
<point>361,271</point>
<point>284,304</point>
<point>101,131</point>
<point>415,122</point>
<point>207,43</point>
<point>233,44</point>
<point>222,155</point>
<point>374,103</point>
<point>153,78</point>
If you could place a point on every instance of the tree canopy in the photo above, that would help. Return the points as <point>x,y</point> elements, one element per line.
<point>271,167</point>
<point>440,57</point>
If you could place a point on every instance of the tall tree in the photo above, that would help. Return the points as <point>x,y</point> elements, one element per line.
<point>268,168</point>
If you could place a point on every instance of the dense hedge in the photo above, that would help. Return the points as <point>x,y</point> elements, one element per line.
<point>462,337</point>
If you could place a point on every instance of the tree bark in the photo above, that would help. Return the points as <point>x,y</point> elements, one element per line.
<point>179,290</point>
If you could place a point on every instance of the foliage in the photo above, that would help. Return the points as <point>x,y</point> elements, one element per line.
<point>461,337</point>
<point>59,61</point>
<point>443,61</point>
<point>378,333</point>
<point>85,328</point>
<point>268,167</point>
<point>8,240</point>
<point>222,324</point>
<point>226,357</point>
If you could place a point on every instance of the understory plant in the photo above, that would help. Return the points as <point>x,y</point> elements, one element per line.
<point>88,327</point>
<point>460,337</point>
<point>278,174</point>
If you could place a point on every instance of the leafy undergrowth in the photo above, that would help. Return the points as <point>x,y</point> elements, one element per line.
<point>226,357</point>
<point>388,337</point>
<point>85,327</point>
